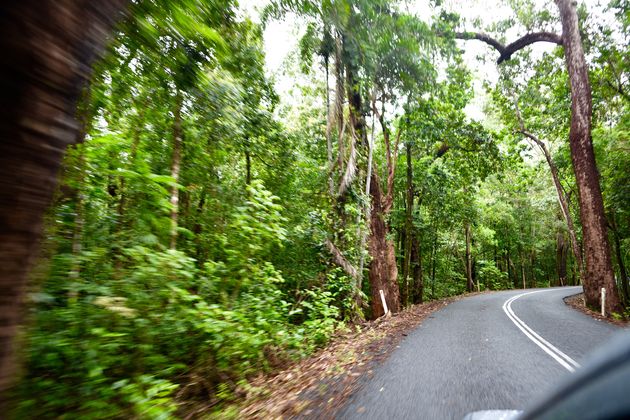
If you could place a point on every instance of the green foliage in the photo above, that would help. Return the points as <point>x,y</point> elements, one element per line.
<point>492,277</point>
<point>128,320</point>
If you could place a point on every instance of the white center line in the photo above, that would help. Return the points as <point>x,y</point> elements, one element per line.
<point>568,363</point>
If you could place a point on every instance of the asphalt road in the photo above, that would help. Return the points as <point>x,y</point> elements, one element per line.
<point>472,356</point>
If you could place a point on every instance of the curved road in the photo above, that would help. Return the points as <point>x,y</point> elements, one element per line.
<point>483,352</point>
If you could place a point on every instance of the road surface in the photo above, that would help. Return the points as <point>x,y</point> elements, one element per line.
<point>492,351</point>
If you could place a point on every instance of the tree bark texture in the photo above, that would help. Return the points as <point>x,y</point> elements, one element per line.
<point>48,48</point>
<point>599,271</point>
<point>383,270</point>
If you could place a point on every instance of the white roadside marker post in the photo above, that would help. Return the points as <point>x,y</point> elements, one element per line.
<point>383,302</point>
<point>603,301</point>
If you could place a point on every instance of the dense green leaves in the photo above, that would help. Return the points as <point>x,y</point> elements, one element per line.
<point>181,120</point>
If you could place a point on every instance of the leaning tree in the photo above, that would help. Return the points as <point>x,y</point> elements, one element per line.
<point>598,264</point>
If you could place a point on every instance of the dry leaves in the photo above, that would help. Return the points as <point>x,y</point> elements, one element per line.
<point>318,386</point>
<point>577,302</point>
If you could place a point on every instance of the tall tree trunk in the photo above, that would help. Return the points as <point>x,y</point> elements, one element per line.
<point>408,222</point>
<point>599,272</point>
<point>623,274</point>
<point>339,99</point>
<point>433,261</point>
<point>416,264</point>
<point>383,271</point>
<point>561,259</point>
<point>248,167</point>
<point>329,123</point>
<point>176,165</point>
<point>470,286</point>
<point>48,47</point>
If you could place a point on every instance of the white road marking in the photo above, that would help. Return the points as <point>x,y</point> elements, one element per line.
<point>568,363</point>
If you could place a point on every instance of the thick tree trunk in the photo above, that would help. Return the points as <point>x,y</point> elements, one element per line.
<point>383,271</point>
<point>176,166</point>
<point>599,272</point>
<point>47,48</point>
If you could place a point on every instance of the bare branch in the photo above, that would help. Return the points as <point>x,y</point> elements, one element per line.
<point>340,260</point>
<point>506,51</point>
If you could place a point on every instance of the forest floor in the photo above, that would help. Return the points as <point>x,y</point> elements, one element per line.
<point>318,386</point>
<point>577,302</point>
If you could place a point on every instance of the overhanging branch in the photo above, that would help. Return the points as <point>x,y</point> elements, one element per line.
<point>506,51</point>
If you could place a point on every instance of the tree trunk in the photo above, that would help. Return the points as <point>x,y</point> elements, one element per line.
<point>339,95</point>
<point>329,123</point>
<point>383,271</point>
<point>408,222</point>
<point>561,259</point>
<point>48,48</point>
<point>416,264</point>
<point>176,166</point>
<point>599,272</point>
<point>470,286</point>
<point>248,167</point>
<point>433,261</point>
<point>623,274</point>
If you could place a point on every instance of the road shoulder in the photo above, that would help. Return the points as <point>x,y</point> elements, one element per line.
<point>577,302</point>
<point>317,387</point>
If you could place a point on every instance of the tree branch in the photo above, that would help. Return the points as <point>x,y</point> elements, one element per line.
<point>391,155</point>
<point>506,51</point>
<point>340,260</point>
